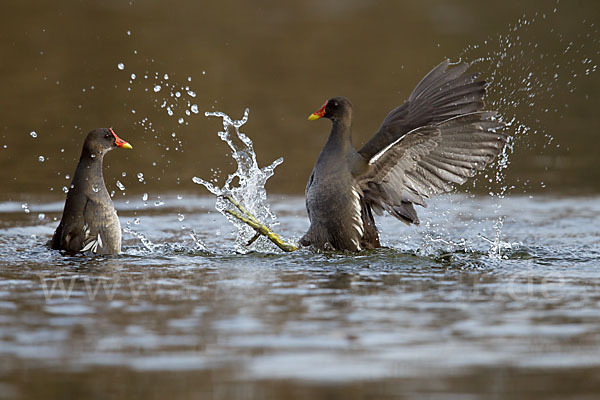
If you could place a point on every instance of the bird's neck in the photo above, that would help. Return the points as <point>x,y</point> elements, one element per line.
<point>89,170</point>
<point>341,133</point>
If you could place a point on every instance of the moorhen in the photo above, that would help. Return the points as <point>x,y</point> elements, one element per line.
<point>89,221</point>
<point>438,138</point>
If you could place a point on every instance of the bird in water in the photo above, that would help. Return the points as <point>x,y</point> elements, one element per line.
<point>437,139</point>
<point>89,221</point>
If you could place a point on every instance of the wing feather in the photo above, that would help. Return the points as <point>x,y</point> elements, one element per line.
<point>430,160</point>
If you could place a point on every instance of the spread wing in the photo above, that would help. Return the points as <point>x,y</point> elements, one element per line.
<point>431,160</point>
<point>442,94</point>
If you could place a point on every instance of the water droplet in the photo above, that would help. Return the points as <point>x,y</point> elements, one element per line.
<point>140,177</point>
<point>191,93</point>
<point>121,66</point>
<point>145,197</point>
<point>120,185</point>
<point>67,176</point>
<point>128,33</point>
<point>180,217</point>
<point>203,72</point>
<point>181,120</point>
<point>65,189</point>
<point>158,203</point>
<point>157,88</point>
<point>136,221</point>
<point>194,108</point>
<point>173,134</point>
<point>123,174</point>
<point>166,76</point>
<point>95,188</point>
<point>41,159</point>
<point>189,78</point>
<point>177,94</point>
<point>169,111</point>
<point>33,134</point>
<point>179,197</point>
<point>41,216</point>
<point>132,76</point>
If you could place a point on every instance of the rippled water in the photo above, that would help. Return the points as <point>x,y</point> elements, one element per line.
<point>432,312</point>
<point>493,296</point>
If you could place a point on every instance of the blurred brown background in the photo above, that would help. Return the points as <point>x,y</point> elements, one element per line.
<point>59,77</point>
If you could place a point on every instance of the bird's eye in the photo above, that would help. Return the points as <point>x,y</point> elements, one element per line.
<point>335,103</point>
<point>107,136</point>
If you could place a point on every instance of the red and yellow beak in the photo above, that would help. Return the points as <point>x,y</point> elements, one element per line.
<point>120,142</point>
<point>318,114</point>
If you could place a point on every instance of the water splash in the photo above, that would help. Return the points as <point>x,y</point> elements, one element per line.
<point>533,70</point>
<point>165,248</point>
<point>246,184</point>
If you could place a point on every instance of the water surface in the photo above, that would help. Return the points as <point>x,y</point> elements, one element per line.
<point>441,309</point>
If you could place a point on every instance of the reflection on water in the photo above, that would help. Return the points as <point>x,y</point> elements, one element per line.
<point>433,305</point>
<point>490,297</point>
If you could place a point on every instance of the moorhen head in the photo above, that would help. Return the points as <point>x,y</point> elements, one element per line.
<point>100,141</point>
<point>335,109</point>
<point>436,140</point>
<point>89,221</point>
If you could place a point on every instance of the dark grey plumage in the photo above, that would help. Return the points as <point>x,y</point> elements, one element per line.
<point>89,221</point>
<point>437,139</point>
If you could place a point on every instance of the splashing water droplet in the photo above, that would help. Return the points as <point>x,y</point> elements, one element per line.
<point>194,108</point>
<point>136,221</point>
<point>181,120</point>
<point>65,189</point>
<point>132,76</point>
<point>140,177</point>
<point>145,197</point>
<point>157,88</point>
<point>121,66</point>
<point>180,217</point>
<point>41,159</point>
<point>191,93</point>
<point>251,180</point>
<point>120,185</point>
<point>41,216</point>
<point>33,134</point>
<point>95,188</point>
